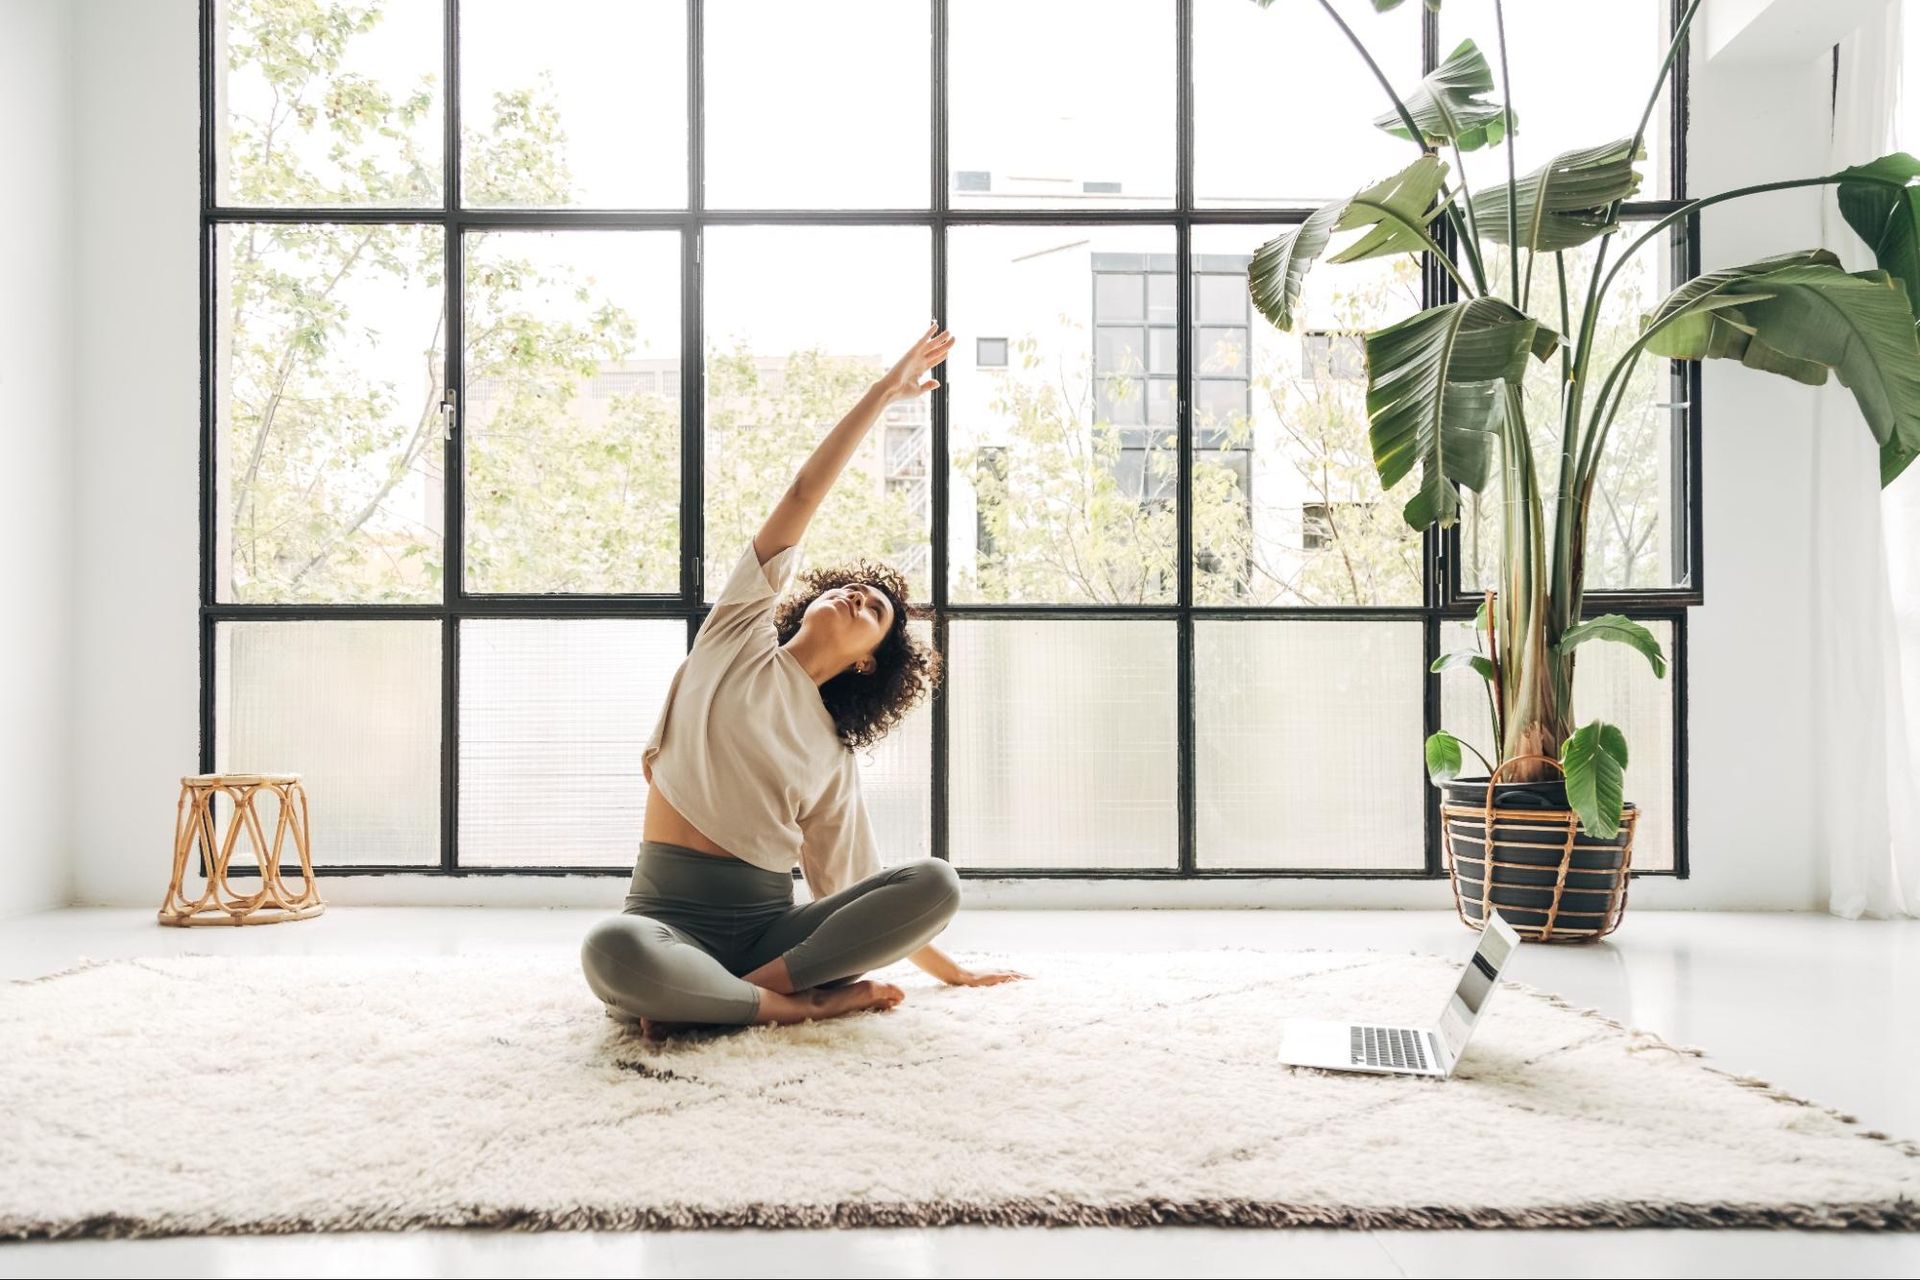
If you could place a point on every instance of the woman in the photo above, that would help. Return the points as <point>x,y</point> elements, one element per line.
<point>751,767</point>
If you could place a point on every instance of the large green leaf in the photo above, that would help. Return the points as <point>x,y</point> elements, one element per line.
<point>1382,6</point>
<point>1888,219</point>
<point>1565,202</point>
<point>1443,757</point>
<point>1801,320</point>
<point>1279,267</point>
<point>1481,666</point>
<point>1594,758</point>
<point>1389,207</point>
<point>1620,630</point>
<point>1436,386</point>
<point>1449,106</point>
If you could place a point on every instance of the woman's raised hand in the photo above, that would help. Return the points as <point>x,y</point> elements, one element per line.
<point>910,374</point>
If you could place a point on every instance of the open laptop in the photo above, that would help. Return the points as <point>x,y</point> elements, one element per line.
<point>1413,1051</point>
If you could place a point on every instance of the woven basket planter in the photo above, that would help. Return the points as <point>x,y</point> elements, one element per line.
<point>1519,848</point>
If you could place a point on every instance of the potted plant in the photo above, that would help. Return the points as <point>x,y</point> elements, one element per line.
<point>1546,837</point>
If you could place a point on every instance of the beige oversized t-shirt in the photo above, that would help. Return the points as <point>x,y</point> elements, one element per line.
<point>746,750</point>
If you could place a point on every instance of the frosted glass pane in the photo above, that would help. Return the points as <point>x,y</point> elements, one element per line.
<point>1063,747</point>
<point>327,104</point>
<point>1032,128</point>
<point>573,411</point>
<point>553,714</point>
<point>600,88</point>
<point>896,780</point>
<point>1611,683</point>
<point>328,374</point>
<point>1308,737</point>
<point>354,709</point>
<point>817,104</point>
<point>1289,65</point>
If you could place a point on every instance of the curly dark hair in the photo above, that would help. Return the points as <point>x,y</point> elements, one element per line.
<point>906,669</point>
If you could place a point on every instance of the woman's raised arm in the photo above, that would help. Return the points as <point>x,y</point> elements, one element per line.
<point>909,377</point>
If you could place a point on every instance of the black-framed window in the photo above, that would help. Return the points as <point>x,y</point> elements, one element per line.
<point>507,350</point>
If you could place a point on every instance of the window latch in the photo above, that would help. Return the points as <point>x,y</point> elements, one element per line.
<point>447,415</point>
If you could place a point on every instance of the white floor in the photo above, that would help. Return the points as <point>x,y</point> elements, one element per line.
<point>1821,1007</point>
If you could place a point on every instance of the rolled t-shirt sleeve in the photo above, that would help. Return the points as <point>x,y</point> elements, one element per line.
<point>746,599</point>
<point>837,846</point>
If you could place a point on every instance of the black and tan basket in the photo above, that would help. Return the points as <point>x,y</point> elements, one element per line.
<point>1548,879</point>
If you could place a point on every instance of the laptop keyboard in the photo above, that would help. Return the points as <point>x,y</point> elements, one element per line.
<point>1388,1047</point>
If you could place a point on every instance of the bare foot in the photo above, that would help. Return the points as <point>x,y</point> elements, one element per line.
<point>828,1002</point>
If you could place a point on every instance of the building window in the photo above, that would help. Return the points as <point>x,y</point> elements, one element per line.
<point>990,353</point>
<point>972,180</point>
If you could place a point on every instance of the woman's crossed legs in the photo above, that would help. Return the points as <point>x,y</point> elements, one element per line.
<point>801,965</point>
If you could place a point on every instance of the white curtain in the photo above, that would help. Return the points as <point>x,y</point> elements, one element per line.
<point>1866,564</point>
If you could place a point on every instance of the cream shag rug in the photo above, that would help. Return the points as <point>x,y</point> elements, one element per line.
<point>211,1095</point>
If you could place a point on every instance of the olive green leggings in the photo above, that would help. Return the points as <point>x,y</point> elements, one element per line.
<point>694,922</point>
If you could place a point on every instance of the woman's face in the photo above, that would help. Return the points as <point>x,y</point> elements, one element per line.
<point>854,618</point>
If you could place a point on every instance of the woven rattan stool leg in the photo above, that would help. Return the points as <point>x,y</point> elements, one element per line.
<point>197,830</point>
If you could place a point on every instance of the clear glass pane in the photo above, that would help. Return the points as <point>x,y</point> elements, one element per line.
<point>1038,449</point>
<point>1635,529</point>
<point>1301,519</point>
<point>1613,683</point>
<point>574,102</point>
<point>573,411</point>
<point>817,104</point>
<point>1063,748</point>
<point>785,363</point>
<point>1563,102</point>
<point>1284,106</point>
<point>1308,745</point>
<point>896,780</point>
<point>329,372</point>
<point>553,714</point>
<point>1061,104</point>
<point>328,104</point>
<point>354,709</point>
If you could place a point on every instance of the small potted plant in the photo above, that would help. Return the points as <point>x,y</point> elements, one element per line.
<point>1546,836</point>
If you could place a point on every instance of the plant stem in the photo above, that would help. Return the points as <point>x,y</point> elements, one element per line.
<point>1419,140</point>
<point>1513,185</point>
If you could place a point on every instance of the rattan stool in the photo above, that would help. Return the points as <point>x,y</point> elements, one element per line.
<point>194,828</point>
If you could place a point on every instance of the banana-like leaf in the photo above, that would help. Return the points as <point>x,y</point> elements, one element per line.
<point>1594,758</point>
<point>1888,219</point>
<point>1388,207</point>
<point>1802,319</point>
<point>1280,266</point>
<point>1482,666</point>
<point>1449,104</point>
<point>1620,630</point>
<point>1564,202</point>
<point>1436,397</point>
<point>1443,757</point>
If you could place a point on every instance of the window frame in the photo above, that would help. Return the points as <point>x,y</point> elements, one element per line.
<point>1443,598</point>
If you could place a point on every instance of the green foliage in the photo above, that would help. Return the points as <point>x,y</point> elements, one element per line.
<point>1449,104</point>
<point>1618,629</point>
<point>1594,759</point>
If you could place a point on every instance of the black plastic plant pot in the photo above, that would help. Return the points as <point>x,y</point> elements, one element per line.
<point>1549,879</point>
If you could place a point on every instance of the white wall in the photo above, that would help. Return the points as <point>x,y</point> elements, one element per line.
<point>136,535</point>
<point>137,397</point>
<point>36,434</point>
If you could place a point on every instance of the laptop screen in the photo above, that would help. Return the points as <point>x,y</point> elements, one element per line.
<point>1476,984</point>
